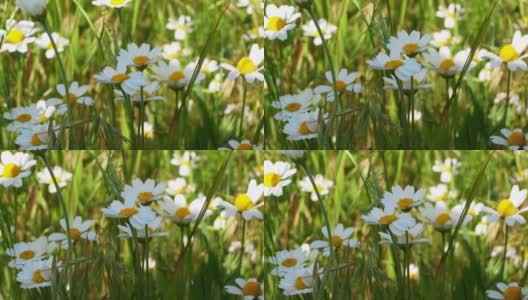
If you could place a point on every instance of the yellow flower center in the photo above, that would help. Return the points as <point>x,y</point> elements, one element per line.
<point>11,170</point>
<point>36,141</point>
<point>276,23</point>
<point>127,212</point>
<point>251,288</point>
<point>405,202</point>
<point>289,262</point>
<point>176,76</point>
<point>140,60</point>
<point>119,78</point>
<point>299,284</point>
<point>245,147</point>
<point>117,2</point>
<point>28,254</point>
<point>75,234</point>
<point>271,179</point>
<point>447,64</point>
<point>512,293</point>
<point>506,208</point>
<point>37,277</point>
<point>243,202</point>
<point>337,241</point>
<point>411,47</point>
<point>182,212</point>
<point>71,98</point>
<point>516,139</point>
<point>443,218</point>
<point>23,118</point>
<point>292,107</point>
<point>304,129</point>
<point>56,178</point>
<point>341,86</point>
<point>15,36</point>
<point>508,53</point>
<point>393,64</point>
<point>246,66</point>
<point>145,196</point>
<point>387,219</point>
<point>451,14</point>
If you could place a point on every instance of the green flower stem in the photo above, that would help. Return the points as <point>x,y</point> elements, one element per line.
<point>503,268</point>
<point>508,90</point>
<point>242,247</point>
<point>241,125</point>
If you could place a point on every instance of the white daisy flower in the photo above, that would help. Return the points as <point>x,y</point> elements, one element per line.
<point>215,85</point>
<point>276,177</point>
<point>186,162</point>
<point>76,95</point>
<point>111,3</point>
<point>140,57</point>
<point>511,291</point>
<point>450,14</point>
<point>413,234</point>
<point>446,65</point>
<point>390,62</point>
<point>61,176</point>
<point>34,8</point>
<point>410,44</point>
<point>298,281</point>
<point>23,252</point>
<point>439,192</point>
<point>149,92</point>
<point>511,54</point>
<point>174,51</point>
<point>441,218</point>
<point>119,75</point>
<point>242,145</point>
<point>418,82</point>
<point>143,192</point>
<point>35,138</point>
<point>38,273</point>
<point>514,140</point>
<point>17,36</point>
<point>78,230</point>
<point>128,209</point>
<point>247,203</point>
<point>173,75</point>
<point>286,260</point>
<point>508,209</point>
<point>344,83</point>
<point>179,186</point>
<point>404,199</point>
<point>181,26</point>
<point>323,186</point>
<point>22,117</point>
<point>248,66</point>
<point>279,20</point>
<point>296,103</point>
<point>250,289</point>
<point>44,42</point>
<point>144,228</point>
<point>209,66</point>
<point>302,126</point>
<point>444,38</point>
<point>178,211</point>
<point>447,168</point>
<point>327,29</point>
<point>14,167</point>
<point>340,237</point>
<point>398,223</point>
<point>149,130</point>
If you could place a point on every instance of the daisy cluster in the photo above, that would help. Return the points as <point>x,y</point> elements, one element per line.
<point>406,61</point>
<point>136,74</point>
<point>403,216</point>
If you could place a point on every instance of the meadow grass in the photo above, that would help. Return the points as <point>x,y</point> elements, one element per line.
<point>191,115</point>
<point>115,268</point>
<point>457,113</point>
<point>471,263</point>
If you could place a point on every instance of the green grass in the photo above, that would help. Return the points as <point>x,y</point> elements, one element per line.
<point>106,268</point>
<point>360,179</point>
<point>371,120</point>
<point>96,34</point>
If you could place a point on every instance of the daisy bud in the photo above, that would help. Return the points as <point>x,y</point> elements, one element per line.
<point>35,8</point>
